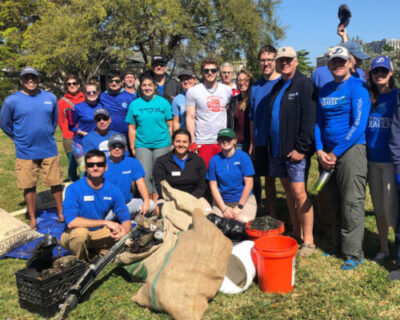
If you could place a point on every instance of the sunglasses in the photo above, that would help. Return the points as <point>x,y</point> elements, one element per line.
<point>114,80</point>
<point>70,84</point>
<point>98,164</point>
<point>159,64</point>
<point>213,70</point>
<point>117,145</point>
<point>226,72</point>
<point>99,118</point>
<point>224,139</point>
<point>380,70</point>
<point>91,93</point>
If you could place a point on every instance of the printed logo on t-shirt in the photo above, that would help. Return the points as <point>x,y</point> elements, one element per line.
<point>150,110</point>
<point>126,172</point>
<point>107,198</point>
<point>214,103</point>
<point>333,101</point>
<point>236,163</point>
<point>124,105</point>
<point>292,96</point>
<point>88,198</point>
<point>47,102</point>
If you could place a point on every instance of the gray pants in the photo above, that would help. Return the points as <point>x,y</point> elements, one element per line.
<point>147,158</point>
<point>341,201</point>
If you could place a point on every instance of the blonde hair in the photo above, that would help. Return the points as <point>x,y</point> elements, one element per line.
<point>248,74</point>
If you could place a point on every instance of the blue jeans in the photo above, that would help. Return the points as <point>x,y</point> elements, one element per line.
<point>147,158</point>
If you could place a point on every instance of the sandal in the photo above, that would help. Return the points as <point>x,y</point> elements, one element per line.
<point>351,264</point>
<point>306,250</point>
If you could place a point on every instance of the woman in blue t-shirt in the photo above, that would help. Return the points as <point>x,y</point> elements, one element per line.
<point>84,122</point>
<point>380,167</point>
<point>230,174</point>
<point>150,128</point>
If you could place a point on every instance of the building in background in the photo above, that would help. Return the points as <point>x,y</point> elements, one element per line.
<point>377,46</point>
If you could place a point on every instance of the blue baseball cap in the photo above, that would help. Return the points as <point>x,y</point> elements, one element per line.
<point>355,49</point>
<point>381,62</point>
<point>29,70</point>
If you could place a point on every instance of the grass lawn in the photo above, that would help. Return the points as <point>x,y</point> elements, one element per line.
<point>322,291</point>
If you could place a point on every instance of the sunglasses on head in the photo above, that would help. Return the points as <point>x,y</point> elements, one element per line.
<point>98,164</point>
<point>90,93</point>
<point>114,80</point>
<point>99,118</point>
<point>213,70</point>
<point>380,70</point>
<point>117,145</point>
<point>70,84</point>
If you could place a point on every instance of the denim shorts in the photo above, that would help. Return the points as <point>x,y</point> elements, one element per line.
<point>296,171</point>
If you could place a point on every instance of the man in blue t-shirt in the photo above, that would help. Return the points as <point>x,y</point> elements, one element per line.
<point>29,118</point>
<point>258,114</point>
<point>87,202</point>
<point>116,100</point>
<point>188,80</point>
<point>342,117</point>
<point>126,172</point>
<point>98,138</point>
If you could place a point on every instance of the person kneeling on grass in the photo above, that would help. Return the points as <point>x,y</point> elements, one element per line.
<point>230,174</point>
<point>87,202</point>
<point>125,172</point>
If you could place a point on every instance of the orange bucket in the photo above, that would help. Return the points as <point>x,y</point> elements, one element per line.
<point>253,234</point>
<point>274,258</point>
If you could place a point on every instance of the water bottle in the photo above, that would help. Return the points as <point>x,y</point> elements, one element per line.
<point>323,180</point>
<point>69,113</point>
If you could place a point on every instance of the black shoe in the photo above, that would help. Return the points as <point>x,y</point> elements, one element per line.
<point>394,274</point>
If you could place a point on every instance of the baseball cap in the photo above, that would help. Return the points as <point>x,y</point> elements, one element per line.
<point>101,111</point>
<point>344,15</point>
<point>186,73</point>
<point>29,70</point>
<point>338,52</point>
<point>227,132</point>
<point>355,49</point>
<point>381,62</point>
<point>117,138</point>
<point>158,59</point>
<point>285,52</point>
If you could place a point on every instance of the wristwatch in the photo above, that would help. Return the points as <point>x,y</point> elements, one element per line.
<point>240,206</point>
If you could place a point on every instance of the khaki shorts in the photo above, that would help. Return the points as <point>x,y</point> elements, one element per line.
<point>28,172</point>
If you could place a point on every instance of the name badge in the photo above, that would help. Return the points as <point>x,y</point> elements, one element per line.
<point>88,198</point>
<point>175,173</point>
<point>107,198</point>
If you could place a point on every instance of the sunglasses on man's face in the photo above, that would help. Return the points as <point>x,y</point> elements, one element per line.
<point>380,70</point>
<point>98,164</point>
<point>213,70</point>
<point>70,84</point>
<point>118,81</point>
<point>159,64</point>
<point>99,118</point>
<point>117,145</point>
<point>91,93</point>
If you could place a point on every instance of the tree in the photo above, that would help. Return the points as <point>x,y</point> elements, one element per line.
<point>86,36</point>
<point>304,65</point>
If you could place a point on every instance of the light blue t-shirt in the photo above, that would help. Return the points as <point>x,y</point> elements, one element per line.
<point>150,119</point>
<point>258,109</point>
<point>274,125</point>
<point>122,175</point>
<point>229,173</point>
<point>378,128</point>
<point>81,200</point>
<point>342,115</point>
<point>30,121</point>
<point>179,109</point>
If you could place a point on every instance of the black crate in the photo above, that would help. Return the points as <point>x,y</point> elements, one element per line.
<point>44,296</point>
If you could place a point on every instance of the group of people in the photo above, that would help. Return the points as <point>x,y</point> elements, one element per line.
<point>216,140</point>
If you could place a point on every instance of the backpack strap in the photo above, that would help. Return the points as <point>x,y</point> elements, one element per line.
<point>68,101</point>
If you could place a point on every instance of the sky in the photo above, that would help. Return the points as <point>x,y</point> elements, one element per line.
<point>312,24</point>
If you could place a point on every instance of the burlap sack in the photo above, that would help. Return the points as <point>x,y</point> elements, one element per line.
<point>13,232</point>
<point>141,269</point>
<point>190,274</point>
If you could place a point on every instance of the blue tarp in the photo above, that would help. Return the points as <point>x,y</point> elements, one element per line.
<point>47,223</point>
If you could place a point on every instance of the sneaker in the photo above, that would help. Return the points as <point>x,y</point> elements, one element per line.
<point>394,274</point>
<point>381,258</point>
<point>306,250</point>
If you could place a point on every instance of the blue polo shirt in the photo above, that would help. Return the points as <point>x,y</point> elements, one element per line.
<point>179,109</point>
<point>258,109</point>
<point>81,200</point>
<point>122,175</point>
<point>229,173</point>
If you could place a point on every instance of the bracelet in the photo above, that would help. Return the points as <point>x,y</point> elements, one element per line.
<point>226,208</point>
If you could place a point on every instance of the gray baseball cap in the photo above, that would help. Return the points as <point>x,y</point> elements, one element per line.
<point>29,70</point>
<point>101,111</point>
<point>117,138</point>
